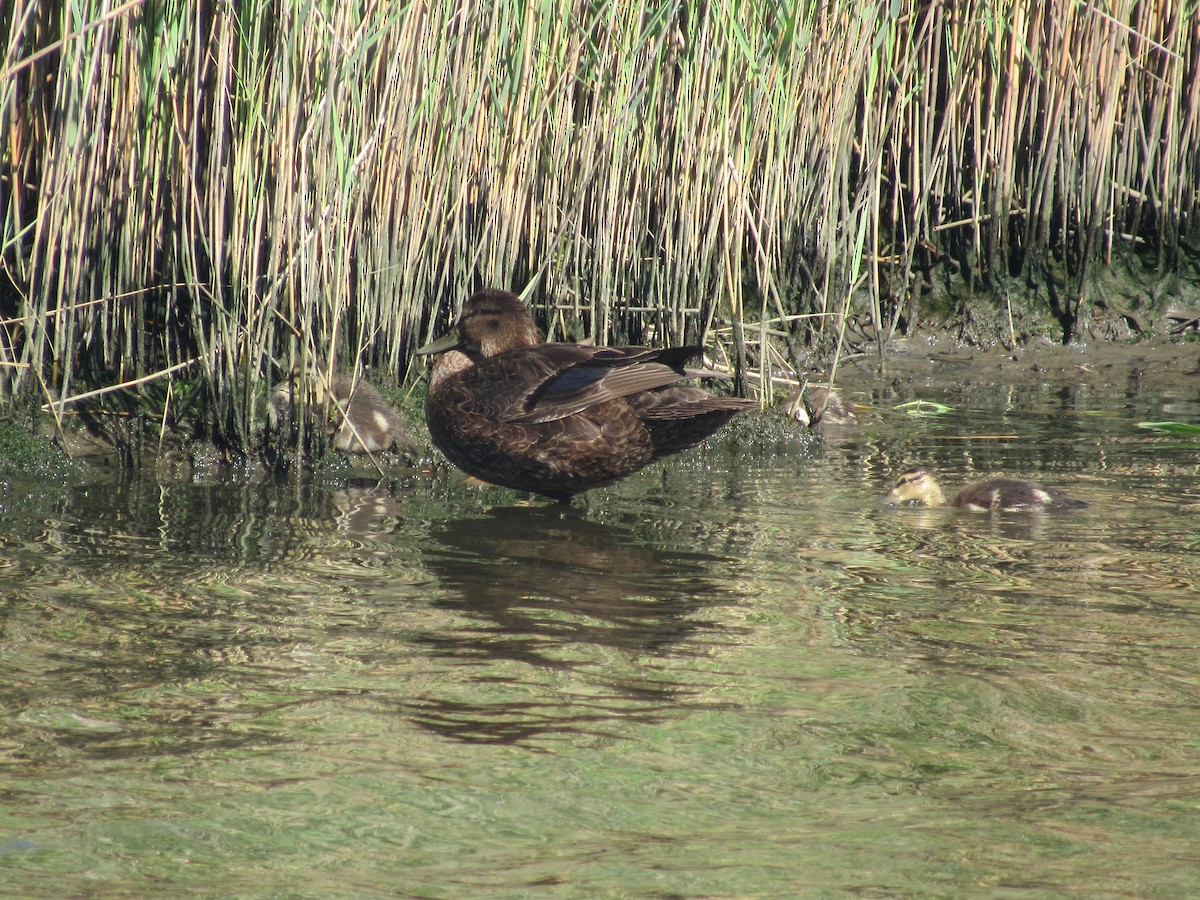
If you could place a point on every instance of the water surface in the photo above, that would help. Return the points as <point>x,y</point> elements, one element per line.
<point>734,675</point>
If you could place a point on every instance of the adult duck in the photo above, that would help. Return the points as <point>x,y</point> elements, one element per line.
<point>558,419</point>
<point>918,486</point>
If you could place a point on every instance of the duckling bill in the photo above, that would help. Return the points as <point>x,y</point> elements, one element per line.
<point>918,486</point>
<point>558,419</point>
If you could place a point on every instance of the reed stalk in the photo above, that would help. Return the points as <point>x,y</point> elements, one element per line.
<point>261,186</point>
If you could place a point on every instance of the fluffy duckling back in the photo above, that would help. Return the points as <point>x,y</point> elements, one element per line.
<point>918,486</point>
<point>819,406</point>
<point>558,419</point>
<point>360,419</point>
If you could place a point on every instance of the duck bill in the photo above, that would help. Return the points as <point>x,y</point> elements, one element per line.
<point>441,345</point>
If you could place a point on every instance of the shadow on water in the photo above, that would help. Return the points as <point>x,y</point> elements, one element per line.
<point>548,594</point>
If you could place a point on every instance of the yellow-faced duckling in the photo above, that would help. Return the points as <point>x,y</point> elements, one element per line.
<point>360,419</point>
<point>558,419</point>
<point>918,486</point>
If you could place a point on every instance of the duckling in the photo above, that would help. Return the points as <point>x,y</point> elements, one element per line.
<point>823,405</point>
<point>360,419</point>
<point>918,486</point>
<point>558,419</point>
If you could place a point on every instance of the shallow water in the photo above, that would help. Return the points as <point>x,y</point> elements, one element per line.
<point>735,675</point>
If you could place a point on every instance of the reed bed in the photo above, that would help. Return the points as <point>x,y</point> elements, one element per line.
<point>207,194</point>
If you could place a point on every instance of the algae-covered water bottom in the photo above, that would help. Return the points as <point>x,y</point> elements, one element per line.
<point>733,675</point>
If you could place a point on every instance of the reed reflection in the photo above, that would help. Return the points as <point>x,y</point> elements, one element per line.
<point>147,618</point>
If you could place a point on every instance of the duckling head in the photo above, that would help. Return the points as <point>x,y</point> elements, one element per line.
<point>916,486</point>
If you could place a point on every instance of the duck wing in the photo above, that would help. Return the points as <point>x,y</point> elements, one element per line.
<point>546,382</point>
<point>682,402</point>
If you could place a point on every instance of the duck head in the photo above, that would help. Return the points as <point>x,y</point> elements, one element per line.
<point>916,486</point>
<point>490,323</point>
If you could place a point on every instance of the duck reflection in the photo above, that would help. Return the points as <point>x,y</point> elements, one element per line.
<point>574,617</point>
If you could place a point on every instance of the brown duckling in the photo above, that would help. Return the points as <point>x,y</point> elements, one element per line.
<point>918,486</point>
<point>558,419</point>
<point>360,419</point>
<point>819,406</point>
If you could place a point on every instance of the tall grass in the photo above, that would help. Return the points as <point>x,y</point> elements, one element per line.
<point>224,190</point>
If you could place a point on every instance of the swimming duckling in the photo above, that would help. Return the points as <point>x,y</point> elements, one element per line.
<point>558,419</point>
<point>360,419</point>
<point>1005,494</point>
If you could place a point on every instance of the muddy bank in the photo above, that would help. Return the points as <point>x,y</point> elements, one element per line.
<point>1160,364</point>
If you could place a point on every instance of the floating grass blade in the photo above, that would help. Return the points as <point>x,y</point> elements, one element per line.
<point>924,408</point>
<point>1170,427</point>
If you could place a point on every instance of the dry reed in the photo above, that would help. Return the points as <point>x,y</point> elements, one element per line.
<point>260,186</point>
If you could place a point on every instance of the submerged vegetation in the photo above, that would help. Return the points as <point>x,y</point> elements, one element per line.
<point>208,195</point>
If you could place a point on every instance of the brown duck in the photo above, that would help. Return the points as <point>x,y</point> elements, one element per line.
<point>1004,494</point>
<point>558,419</point>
